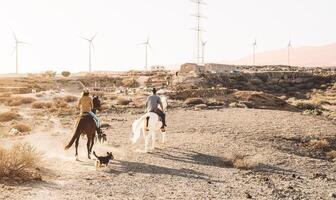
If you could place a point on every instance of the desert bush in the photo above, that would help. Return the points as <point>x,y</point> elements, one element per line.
<point>123,101</point>
<point>23,128</point>
<point>18,101</point>
<point>304,105</point>
<point>319,143</point>
<point>19,161</point>
<point>131,83</point>
<point>66,73</point>
<point>41,105</point>
<point>39,95</point>
<point>240,161</point>
<point>6,94</point>
<point>331,154</point>
<point>194,101</point>
<point>60,103</point>
<point>49,74</point>
<point>313,112</point>
<point>70,98</point>
<point>237,105</point>
<point>8,116</point>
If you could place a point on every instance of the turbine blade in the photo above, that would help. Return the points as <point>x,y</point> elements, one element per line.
<point>14,35</point>
<point>84,38</point>
<point>93,37</point>
<point>14,49</point>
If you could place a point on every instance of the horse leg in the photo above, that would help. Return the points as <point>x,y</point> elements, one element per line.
<point>88,146</point>
<point>147,138</point>
<point>92,142</point>
<point>153,139</point>
<point>163,137</point>
<point>76,147</point>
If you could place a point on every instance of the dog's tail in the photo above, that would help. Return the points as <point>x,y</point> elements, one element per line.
<point>94,153</point>
<point>74,137</point>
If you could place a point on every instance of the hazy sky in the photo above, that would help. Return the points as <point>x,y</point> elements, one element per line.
<point>53,27</point>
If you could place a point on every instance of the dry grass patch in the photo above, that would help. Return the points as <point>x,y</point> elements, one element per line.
<point>331,154</point>
<point>23,128</point>
<point>41,105</point>
<point>70,98</point>
<point>194,101</point>
<point>18,101</point>
<point>241,162</point>
<point>8,116</point>
<point>319,143</point>
<point>20,161</point>
<point>6,94</point>
<point>306,105</point>
<point>123,101</point>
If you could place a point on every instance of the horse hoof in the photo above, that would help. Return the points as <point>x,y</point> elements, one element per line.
<point>77,158</point>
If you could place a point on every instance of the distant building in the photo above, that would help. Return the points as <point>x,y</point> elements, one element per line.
<point>191,68</point>
<point>208,67</point>
<point>158,68</point>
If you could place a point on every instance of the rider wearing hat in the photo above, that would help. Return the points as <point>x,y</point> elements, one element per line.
<point>152,105</point>
<point>85,104</point>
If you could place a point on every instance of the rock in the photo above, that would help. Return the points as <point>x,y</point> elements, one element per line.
<point>14,131</point>
<point>201,106</point>
<point>248,195</point>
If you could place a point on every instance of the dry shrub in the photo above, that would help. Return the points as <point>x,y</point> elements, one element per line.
<point>331,154</point>
<point>319,143</point>
<point>8,116</point>
<point>41,105</point>
<point>123,101</point>
<point>23,128</point>
<point>6,94</point>
<point>20,161</point>
<point>131,83</point>
<point>240,161</point>
<point>70,98</point>
<point>305,105</point>
<point>194,101</point>
<point>60,103</point>
<point>113,97</point>
<point>39,95</point>
<point>18,101</point>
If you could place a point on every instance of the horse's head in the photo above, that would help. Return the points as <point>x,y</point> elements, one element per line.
<point>96,103</point>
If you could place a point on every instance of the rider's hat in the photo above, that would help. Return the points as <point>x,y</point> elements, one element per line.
<point>86,91</point>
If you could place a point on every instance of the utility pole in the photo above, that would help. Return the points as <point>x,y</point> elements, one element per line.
<point>198,27</point>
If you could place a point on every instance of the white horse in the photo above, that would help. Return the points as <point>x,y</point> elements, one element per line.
<point>154,126</point>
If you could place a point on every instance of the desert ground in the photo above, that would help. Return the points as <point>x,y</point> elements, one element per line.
<point>210,153</point>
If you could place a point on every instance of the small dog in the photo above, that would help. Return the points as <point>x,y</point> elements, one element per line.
<point>103,160</point>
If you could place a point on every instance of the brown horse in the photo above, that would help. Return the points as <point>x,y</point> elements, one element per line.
<point>86,126</point>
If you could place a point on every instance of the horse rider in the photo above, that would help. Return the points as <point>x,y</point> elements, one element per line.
<point>152,105</point>
<point>85,104</point>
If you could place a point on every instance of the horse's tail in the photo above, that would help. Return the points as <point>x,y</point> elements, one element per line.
<point>137,128</point>
<point>74,137</point>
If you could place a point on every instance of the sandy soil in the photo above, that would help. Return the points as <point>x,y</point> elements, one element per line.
<point>194,163</point>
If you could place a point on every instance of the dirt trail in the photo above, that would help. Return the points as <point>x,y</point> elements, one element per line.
<point>193,164</point>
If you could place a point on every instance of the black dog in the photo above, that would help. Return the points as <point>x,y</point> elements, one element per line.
<point>103,160</point>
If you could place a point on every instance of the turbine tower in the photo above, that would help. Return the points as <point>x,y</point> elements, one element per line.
<point>146,44</point>
<point>90,40</point>
<point>254,51</point>
<point>198,27</point>
<point>203,48</point>
<point>289,46</point>
<point>16,49</point>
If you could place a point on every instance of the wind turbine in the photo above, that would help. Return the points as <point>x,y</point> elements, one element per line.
<point>90,40</point>
<point>146,44</point>
<point>254,50</point>
<point>289,46</point>
<point>16,49</point>
<point>203,48</point>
